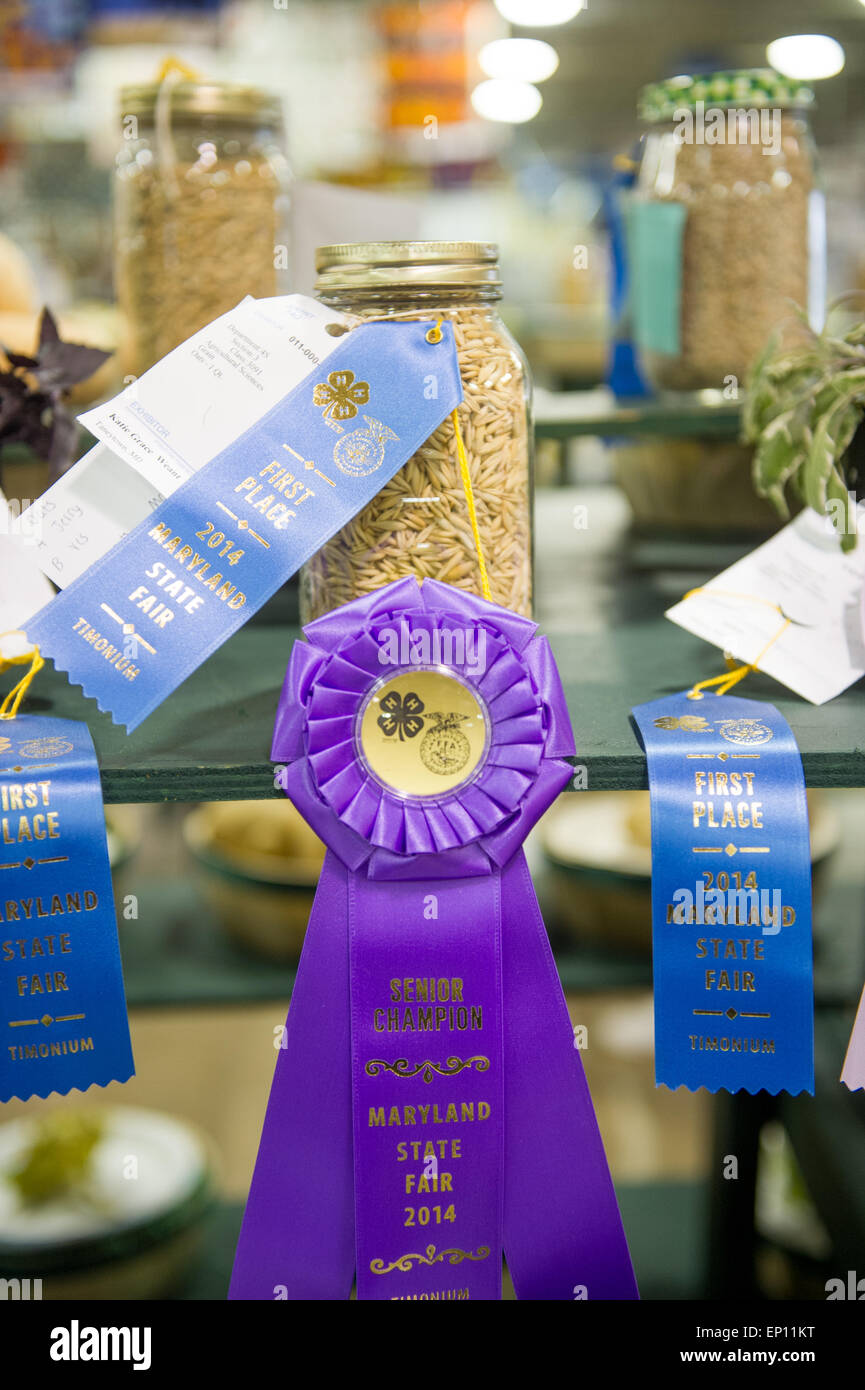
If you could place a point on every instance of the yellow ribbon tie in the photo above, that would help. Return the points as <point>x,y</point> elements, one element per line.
<point>172,66</point>
<point>734,674</point>
<point>12,701</point>
<point>470,500</point>
<point>434,335</point>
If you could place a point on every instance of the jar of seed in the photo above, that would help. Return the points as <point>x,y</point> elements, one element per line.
<point>726,227</point>
<point>419,523</point>
<point>200,207</point>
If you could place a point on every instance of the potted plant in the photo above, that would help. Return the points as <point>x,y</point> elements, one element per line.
<point>803,409</point>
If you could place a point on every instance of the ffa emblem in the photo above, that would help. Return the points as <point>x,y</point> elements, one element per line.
<point>5,744</point>
<point>745,731</point>
<point>690,723</point>
<point>340,395</point>
<point>362,452</point>
<point>45,748</point>
<point>401,716</point>
<point>445,749</point>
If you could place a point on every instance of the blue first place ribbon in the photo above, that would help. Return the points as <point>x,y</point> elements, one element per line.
<point>140,620</point>
<point>731,896</point>
<point>62,1005</point>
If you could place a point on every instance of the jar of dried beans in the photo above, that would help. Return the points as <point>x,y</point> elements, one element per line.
<point>419,523</point>
<point>199,207</point>
<point>726,227</point>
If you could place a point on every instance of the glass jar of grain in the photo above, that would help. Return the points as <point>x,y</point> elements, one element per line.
<point>419,523</point>
<point>726,227</point>
<point>200,207</point>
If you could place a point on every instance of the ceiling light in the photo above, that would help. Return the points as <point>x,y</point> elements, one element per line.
<point>503,99</point>
<point>806,57</point>
<point>537,14</point>
<point>527,60</point>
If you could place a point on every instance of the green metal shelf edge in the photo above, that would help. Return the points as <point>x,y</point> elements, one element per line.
<point>210,740</point>
<point>564,417</point>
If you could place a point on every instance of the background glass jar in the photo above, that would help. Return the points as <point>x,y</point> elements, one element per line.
<point>726,225</point>
<point>199,207</point>
<point>419,524</point>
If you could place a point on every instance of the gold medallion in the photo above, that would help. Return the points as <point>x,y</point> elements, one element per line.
<point>423,733</point>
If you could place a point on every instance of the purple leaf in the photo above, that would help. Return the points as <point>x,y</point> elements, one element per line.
<point>63,365</point>
<point>63,438</point>
<point>17,359</point>
<point>48,332</point>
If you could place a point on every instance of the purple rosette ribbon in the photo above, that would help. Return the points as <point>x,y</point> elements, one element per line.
<point>429,1109</point>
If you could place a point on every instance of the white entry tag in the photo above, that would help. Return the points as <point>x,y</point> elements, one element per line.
<point>801,574</point>
<point>177,416</point>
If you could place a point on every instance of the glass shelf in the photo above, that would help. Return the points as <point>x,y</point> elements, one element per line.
<point>210,740</point>
<point>569,414</point>
<point>600,599</point>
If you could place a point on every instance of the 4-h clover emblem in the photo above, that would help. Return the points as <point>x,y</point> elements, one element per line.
<point>401,715</point>
<point>340,395</point>
<point>690,723</point>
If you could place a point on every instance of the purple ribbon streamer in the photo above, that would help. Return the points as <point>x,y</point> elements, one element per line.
<point>562,1232</point>
<point>559,1222</point>
<point>853,1074</point>
<point>297,1238</point>
<point>562,1229</point>
<point>428,1099</point>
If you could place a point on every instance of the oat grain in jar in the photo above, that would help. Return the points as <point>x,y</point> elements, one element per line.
<point>200,207</point>
<point>419,523</point>
<point>726,228</point>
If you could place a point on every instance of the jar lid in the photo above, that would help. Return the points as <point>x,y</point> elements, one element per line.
<point>192,100</point>
<point>370,264</point>
<point>660,101</point>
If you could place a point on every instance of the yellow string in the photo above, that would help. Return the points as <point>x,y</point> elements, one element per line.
<point>470,499</point>
<point>12,701</point>
<point>434,335</point>
<point>172,65</point>
<point>731,677</point>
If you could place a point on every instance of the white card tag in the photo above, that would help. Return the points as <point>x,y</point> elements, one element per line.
<point>85,513</point>
<point>23,589</point>
<point>176,417</point>
<point>803,572</point>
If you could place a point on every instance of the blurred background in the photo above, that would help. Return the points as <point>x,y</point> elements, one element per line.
<point>298,123</point>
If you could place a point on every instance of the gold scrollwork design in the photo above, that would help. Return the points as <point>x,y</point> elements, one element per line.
<point>402,1067</point>
<point>454,1256</point>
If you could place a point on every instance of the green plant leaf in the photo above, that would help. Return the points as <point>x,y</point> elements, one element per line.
<point>832,433</point>
<point>775,461</point>
<point>805,401</point>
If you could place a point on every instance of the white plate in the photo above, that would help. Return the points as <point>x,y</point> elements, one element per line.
<point>145,1165</point>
